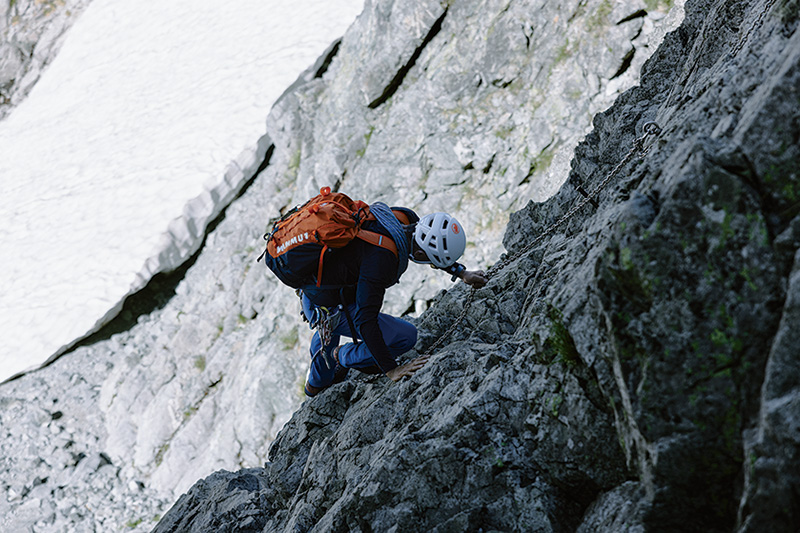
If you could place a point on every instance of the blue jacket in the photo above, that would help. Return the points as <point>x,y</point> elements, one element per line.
<point>360,273</point>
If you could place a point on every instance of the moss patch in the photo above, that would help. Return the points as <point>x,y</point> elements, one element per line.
<point>559,346</point>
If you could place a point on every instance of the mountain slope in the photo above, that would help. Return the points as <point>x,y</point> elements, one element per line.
<point>207,381</point>
<point>635,369</point>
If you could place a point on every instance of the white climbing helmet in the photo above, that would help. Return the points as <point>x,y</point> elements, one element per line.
<point>442,239</point>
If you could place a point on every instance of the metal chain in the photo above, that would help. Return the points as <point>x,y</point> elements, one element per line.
<point>455,324</point>
<point>325,329</point>
<point>651,128</point>
<point>753,28</point>
<point>325,321</point>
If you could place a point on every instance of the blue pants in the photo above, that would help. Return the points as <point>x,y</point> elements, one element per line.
<point>400,336</point>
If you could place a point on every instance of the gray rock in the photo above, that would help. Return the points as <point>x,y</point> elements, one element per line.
<point>616,510</point>
<point>771,449</point>
<point>193,362</point>
<point>632,369</point>
<point>56,475</point>
<point>237,505</point>
<point>476,109</point>
<point>31,32</point>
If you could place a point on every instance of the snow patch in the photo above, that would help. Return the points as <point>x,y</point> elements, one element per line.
<point>143,128</point>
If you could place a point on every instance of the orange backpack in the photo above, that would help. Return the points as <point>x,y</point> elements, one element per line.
<point>299,241</point>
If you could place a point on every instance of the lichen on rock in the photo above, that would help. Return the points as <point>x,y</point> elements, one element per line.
<point>632,372</point>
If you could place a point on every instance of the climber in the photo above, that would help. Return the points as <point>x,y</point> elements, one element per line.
<point>365,271</point>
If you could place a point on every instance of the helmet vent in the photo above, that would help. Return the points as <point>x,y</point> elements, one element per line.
<point>441,237</point>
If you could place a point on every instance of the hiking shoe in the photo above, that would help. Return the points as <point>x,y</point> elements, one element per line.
<point>339,375</point>
<point>312,391</point>
<point>339,372</point>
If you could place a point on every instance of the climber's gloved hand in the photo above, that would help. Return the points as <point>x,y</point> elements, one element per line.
<point>475,278</point>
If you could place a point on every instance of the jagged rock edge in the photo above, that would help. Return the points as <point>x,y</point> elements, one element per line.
<point>152,294</point>
<point>156,293</point>
<point>627,125</point>
<point>397,81</point>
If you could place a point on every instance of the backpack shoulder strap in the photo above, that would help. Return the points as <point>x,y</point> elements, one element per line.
<point>399,215</point>
<point>382,240</point>
<point>378,240</point>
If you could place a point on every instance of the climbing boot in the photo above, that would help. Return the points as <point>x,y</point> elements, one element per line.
<point>339,375</point>
<point>312,391</point>
<point>339,372</point>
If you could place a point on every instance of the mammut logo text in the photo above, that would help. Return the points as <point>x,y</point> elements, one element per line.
<point>297,239</point>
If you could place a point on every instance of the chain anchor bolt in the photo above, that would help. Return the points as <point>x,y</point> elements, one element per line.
<point>652,128</point>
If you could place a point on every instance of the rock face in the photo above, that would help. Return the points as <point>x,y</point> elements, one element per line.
<point>394,113</point>
<point>55,473</point>
<point>30,35</point>
<point>422,104</point>
<point>633,369</point>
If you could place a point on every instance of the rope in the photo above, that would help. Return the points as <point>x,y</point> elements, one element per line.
<point>387,219</point>
<point>651,128</point>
